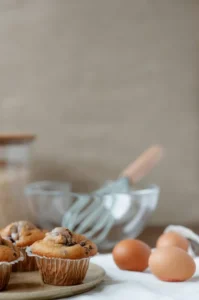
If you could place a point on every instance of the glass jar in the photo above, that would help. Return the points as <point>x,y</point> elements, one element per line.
<point>15,173</point>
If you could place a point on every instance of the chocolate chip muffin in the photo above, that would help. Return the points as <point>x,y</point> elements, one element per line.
<point>63,256</point>
<point>9,255</point>
<point>23,234</point>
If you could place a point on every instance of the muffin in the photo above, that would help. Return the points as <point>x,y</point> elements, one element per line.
<point>9,255</point>
<point>23,234</point>
<point>63,256</point>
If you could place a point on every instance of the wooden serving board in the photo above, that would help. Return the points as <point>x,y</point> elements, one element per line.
<point>29,286</point>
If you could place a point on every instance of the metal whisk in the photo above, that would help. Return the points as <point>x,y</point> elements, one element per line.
<point>92,214</point>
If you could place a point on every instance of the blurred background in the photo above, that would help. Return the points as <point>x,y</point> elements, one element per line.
<point>100,81</point>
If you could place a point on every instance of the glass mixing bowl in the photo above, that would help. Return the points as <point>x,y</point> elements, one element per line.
<point>107,218</point>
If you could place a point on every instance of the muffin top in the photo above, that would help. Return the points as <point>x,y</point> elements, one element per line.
<point>62,243</point>
<point>8,251</point>
<point>22,233</point>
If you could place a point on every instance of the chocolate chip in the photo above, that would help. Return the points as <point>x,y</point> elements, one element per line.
<point>82,244</point>
<point>15,254</point>
<point>90,247</point>
<point>70,243</point>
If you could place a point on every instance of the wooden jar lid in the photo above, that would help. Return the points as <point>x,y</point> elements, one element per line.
<point>20,138</point>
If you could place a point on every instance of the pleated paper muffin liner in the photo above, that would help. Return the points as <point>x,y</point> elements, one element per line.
<point>59,271</point>
<point>27,265</point>
<point>5,271</point>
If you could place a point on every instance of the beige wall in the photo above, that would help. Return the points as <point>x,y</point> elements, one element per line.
<point>101,80</point>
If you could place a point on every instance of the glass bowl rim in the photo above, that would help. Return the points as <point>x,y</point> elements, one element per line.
<point>38,188</point>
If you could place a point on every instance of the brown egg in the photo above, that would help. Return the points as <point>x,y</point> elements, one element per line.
<point>171,264</point>
<point>172,239</point>
<point>132,255</point>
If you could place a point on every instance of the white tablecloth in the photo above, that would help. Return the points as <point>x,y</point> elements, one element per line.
<point>120,285</point>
